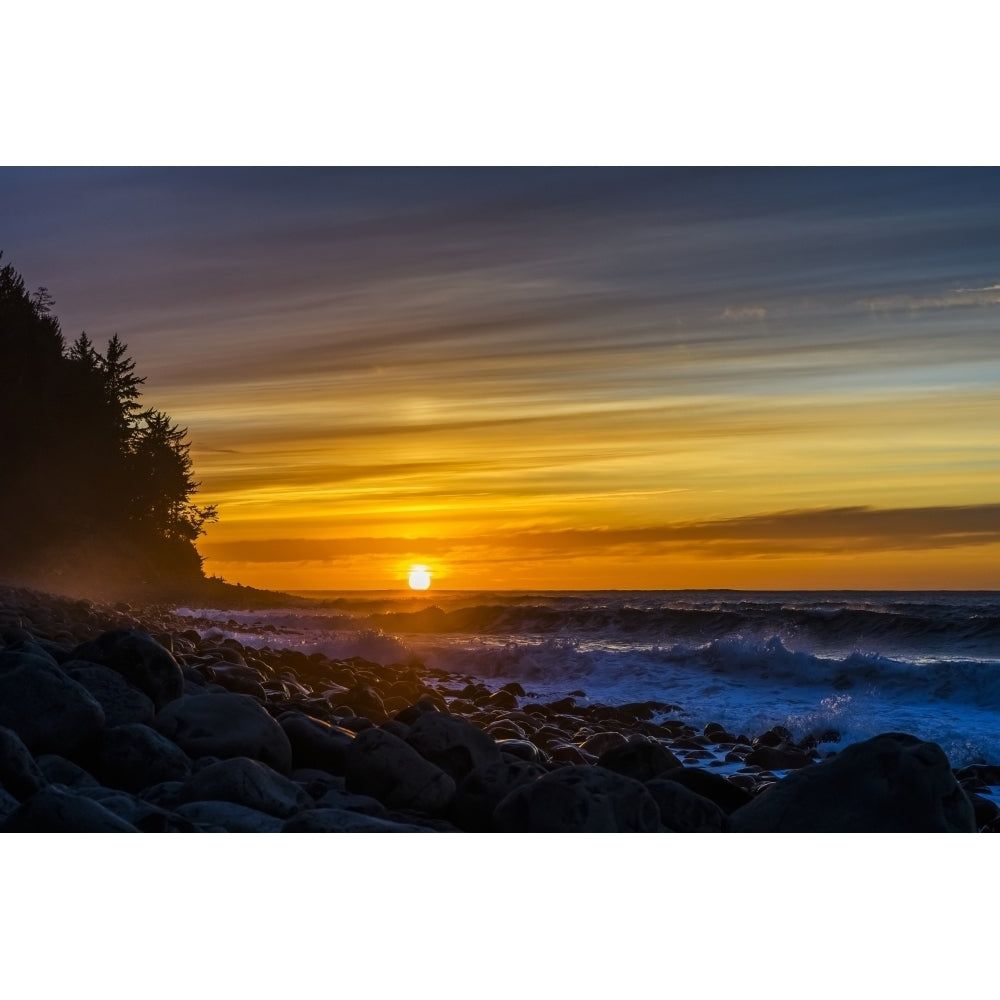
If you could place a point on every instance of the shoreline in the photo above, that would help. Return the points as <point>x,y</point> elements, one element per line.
<point>357,745</point>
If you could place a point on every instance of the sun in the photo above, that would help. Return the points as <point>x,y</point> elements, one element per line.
<point>420,578</point>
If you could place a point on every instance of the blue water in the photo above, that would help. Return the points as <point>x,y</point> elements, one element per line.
<point>926,663</point>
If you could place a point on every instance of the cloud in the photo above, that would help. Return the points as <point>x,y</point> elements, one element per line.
<point>958,298</point>
<point>827,530</point>
<point>739,313</point>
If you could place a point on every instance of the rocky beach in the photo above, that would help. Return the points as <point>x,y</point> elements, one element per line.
<point>116,718</point>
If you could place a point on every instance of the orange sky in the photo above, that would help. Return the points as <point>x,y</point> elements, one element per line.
<point>531,379</point>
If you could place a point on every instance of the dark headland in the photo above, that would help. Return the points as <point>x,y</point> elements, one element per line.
<point>127,717</point>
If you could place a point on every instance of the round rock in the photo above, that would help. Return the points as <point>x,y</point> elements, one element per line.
<point>225,725</point>
<point>133,757</point>
<point>247,783</point>
<point>140,659</point>
<point>892,783</point>
<point>384,766</point>
<point>579,799</point>
<point>454,745</point>
<point>48,710</point>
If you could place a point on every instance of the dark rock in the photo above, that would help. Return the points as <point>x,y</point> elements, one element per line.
<point>166,795</point>
<point>774,737</point>
<point>356,723</point>
<point>20,774</point>
<point>133,757</point>
<point>346,821</point>
<point>334,798</point>
<point>892,783</point>
<point>247,783</point>
<point>579,799</point>
<point>122,702</point>
<point>384,766</point>
<point>502,699</point>
<point>366,702</point>
<point>483,789</point>
<point>454,745</point>
<point>779,758</point>
<point>718,734</point>
<point>600,743</point>
<point>522,749</point>
<point>60,771</point>
<point>410,715</point>
<point>397,728</point>
<point>8,805</point>
<point>987,812</point>
<point>59,810</point>
<point>316,743</point>
<point>684,811</point>
<point>48,710</point>
<point>239,678</point>
<point>570,753</point>
<point>985,774</point>
<point>639,758</point>
<point>226,725</point>
<point>727,796</point>
<point>229,817</point>
<point>140,659</point>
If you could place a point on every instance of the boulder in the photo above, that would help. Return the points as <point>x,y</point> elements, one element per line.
<point>684,811</point>
<point>133,757</point>
<point>781,758</point>
<point>225,725</point>
<point>346,821</point>
<point>228,817</point>
<point>600,743</point>
<point>60,771</point>
<point>892,783</point>
<point>144,816</point>
<point>247,783</point>
<point>316,743</point>
<point>48,710</point>
<point>59,810</point>
<point>454,745</point>
<point>334,798</point>
<point>8,805</point>
<point>484,788</point>
<point>522,750</point>
<point>579,799</point>
<point>724,793</point>
<point>20,775</point>
<point>122,702</point>
<point>640,758</point>
<point>140,659</point>
<point>384,766</point>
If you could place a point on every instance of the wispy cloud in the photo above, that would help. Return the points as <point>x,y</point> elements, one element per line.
<point>958,298</point>
<point>843,529</point>
<point>744,313</point>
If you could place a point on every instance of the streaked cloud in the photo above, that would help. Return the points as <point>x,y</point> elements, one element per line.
<point>842,529</point>
<point>744,312</point>
<point>558,358</point>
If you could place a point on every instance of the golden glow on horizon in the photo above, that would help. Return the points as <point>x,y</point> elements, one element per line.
<point>557,379</point>
<point>419,577</point>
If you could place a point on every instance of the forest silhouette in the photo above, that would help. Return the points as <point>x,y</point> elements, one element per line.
<point>97,489</point>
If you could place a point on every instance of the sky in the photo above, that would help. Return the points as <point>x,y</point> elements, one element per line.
<point>554,378</point>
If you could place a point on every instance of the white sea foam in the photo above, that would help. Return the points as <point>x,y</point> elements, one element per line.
<point>857,664</point>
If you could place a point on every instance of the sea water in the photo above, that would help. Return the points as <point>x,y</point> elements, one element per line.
<point>842,666</point>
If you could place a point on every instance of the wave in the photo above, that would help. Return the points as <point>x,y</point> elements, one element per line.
<point>858,664</point>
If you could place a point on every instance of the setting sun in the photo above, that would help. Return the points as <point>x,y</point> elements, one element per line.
<point>420,578</point>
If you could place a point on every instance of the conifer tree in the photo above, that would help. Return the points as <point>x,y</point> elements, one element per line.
<point>85,468</point>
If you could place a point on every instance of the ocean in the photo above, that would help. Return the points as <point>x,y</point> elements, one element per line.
<point>841,666</point>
